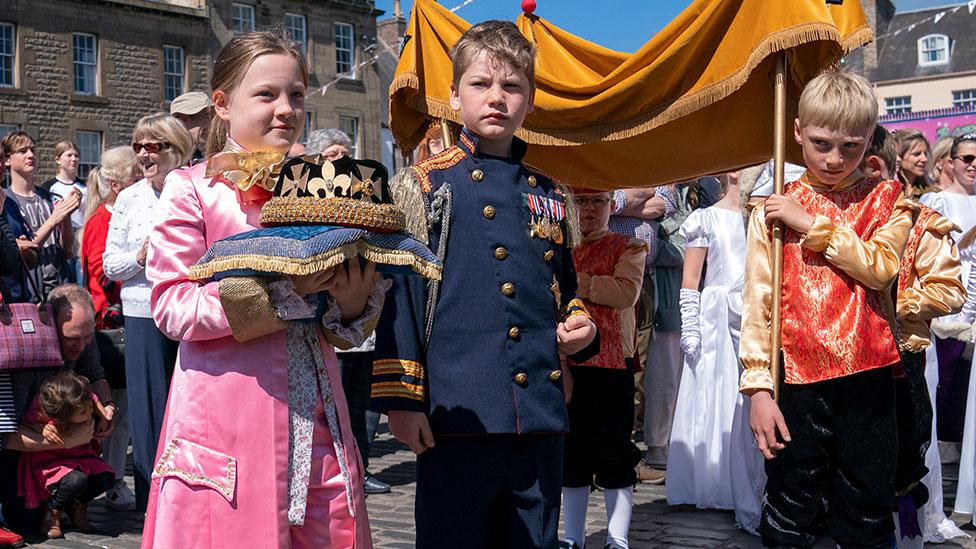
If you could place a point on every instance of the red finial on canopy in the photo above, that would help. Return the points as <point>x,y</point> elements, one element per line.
<point>528,6</point>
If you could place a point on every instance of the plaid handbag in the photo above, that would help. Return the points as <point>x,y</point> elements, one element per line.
<point>28,335</point>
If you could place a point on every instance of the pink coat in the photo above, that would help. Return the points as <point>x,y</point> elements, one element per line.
<point>222,467</point>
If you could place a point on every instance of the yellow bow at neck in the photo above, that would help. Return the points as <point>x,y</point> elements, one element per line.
<point>247,169</point>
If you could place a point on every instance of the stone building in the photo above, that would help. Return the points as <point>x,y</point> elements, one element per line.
<point>87,70</point>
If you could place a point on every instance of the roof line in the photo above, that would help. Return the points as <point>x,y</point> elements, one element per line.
<point>933,8</point>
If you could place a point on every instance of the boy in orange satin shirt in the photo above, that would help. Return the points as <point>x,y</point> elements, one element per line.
<point>830,439</point>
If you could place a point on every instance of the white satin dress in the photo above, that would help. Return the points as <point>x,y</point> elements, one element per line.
<point>936,527</point>
<point>709,459</point>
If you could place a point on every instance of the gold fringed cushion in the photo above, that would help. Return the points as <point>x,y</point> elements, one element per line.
<point>347,212</point>
<point>302,250</point>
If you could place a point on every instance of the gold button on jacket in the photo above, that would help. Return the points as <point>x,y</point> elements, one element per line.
<point>477,175</point>
<point>489,212</point>
<point>513,332</point>
<point>508,288</point>
<point>532,181</point>
<point>521,378</point>
<point>555,375</point>
<point>501,253</point>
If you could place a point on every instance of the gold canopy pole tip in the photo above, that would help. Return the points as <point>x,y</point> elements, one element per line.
<point>446,134</point>
<point>779,155</point>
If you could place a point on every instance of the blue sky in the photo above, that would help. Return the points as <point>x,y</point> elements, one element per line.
<point>622,25</point>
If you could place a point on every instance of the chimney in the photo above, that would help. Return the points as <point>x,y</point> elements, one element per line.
<point>390,31</point>
<point>879,14</point>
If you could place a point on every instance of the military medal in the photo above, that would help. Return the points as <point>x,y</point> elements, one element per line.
<point>546,217</point>
<point>557,233</point>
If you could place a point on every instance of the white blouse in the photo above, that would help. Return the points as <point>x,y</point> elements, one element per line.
<point>133,217</point>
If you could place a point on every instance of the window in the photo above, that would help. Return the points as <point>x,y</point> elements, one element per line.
<point>242,18</point>
<point>295,29</point>
<point>898,105</point>
<point>172,72</point>
<point>309,124</point>
<point>86,63</point>
<point>964,99</point>
<point>345,52</point>
<point>350,126</point>
<point>8,51</point>
<point>89,149</point>
<point>4,130</point>
<point>933,50</point>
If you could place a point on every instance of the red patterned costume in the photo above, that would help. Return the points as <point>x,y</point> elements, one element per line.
<point>610,269</point>
<point>836,474</point>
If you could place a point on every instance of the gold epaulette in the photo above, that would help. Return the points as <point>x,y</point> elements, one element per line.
<point>407,194</point>
<point>445,159</point>
<point>573,235</point>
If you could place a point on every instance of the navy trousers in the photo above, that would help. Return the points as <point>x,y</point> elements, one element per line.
<point>149,360</point>
<point>489,491</point>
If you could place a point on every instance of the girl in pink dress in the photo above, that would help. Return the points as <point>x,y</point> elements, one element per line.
<point>256,448</point>
<point>65,479</point>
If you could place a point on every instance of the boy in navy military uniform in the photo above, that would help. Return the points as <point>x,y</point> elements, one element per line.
<point>468,369</point>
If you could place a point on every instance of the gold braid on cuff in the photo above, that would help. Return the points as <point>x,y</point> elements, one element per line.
<point>575,308</point>
<point>248,307</point>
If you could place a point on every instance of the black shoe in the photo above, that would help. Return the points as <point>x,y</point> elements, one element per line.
<point>373,485</point>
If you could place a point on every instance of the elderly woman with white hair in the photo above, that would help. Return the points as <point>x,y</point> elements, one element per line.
<point>161,144</point>
<point>331,143</point>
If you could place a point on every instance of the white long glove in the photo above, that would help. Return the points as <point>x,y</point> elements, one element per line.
<point>690,330</point>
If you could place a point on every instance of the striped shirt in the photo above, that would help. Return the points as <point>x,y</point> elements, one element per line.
<point>8,412</point>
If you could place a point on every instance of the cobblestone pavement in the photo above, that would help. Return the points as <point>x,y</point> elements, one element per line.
<point>654,524</point>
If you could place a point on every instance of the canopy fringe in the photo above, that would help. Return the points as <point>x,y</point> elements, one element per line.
<point>805,34</point>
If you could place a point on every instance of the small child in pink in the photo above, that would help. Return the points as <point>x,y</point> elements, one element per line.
<point>64,479</point>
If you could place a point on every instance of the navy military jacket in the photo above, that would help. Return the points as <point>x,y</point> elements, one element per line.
<point>482,357</point>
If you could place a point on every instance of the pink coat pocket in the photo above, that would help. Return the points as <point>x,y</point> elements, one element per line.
<point>198,465</point>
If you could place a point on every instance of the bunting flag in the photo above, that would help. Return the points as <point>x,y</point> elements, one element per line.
<point>695,99</point>
<point>939,16</point>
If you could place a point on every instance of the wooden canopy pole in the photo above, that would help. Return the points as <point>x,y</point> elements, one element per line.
<point>446,134</point>
<point>779,158</point>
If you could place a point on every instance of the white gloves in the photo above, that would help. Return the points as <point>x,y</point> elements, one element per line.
<point>689,302</point>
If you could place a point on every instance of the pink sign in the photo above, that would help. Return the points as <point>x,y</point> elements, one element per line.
<point>934,124</point>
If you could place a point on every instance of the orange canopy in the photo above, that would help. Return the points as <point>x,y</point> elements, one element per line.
<point>696,99</point>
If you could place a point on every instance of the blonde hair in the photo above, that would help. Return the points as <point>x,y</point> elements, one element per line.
<point>63,147</point>
<point>839,100</point>
<point>502,41</point>
<point>232,63</point>
<point>117,165</point>
<point>165,127</point>
<point>940,152</point>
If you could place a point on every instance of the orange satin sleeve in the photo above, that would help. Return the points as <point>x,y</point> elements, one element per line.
<point>754,342</point>
<point>874,262</point>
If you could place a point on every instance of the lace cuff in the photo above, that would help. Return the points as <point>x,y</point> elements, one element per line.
<point>346,336</point>
<point>287,304</point>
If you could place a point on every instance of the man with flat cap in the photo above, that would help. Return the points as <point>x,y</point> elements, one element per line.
<point>193,109</point>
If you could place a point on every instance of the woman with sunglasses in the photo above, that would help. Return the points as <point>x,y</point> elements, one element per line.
<point>161,144</point>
